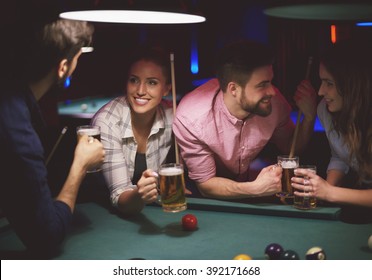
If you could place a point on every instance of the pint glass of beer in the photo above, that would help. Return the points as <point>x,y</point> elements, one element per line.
<point>172,187</point>
<point>288,165</point>
<point>90,130</point>
<point>305,202</point>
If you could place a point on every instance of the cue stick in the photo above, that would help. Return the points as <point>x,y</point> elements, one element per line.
<point>294,140</point>
<point>56,144</point>
<point>174,98</point>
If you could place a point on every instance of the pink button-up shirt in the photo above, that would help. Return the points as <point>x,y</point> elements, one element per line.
<point>215,143</point>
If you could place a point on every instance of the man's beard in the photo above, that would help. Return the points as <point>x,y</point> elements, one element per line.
<point>58,87</point>
<point>256,109</point>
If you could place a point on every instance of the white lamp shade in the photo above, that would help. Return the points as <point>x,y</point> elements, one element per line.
<point>330,11</point>
<point>132,16</point>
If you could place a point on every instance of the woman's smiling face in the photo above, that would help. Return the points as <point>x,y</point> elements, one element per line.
<point>329,90</point>
<point>146,86</point>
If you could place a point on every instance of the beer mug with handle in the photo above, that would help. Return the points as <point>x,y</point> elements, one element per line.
<point>288,165</point>
<point>92,131</point>
<point>172,187</point>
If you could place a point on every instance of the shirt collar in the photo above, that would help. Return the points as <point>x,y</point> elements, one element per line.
<point>221,107</point>
<point>158,122</point>
<point>126,119</point>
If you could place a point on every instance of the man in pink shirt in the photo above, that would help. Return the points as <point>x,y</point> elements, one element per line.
<point>223,125</point>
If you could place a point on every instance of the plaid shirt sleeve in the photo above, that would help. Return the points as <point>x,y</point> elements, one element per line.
<point>115,169</point>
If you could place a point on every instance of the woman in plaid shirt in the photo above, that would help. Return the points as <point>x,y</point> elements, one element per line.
<point>136,131</point>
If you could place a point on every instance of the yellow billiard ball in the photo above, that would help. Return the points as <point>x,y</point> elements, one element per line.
<point>242,257</point>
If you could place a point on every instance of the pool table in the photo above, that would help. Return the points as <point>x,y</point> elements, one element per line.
<point>225,229</point>
<point>83,108</point>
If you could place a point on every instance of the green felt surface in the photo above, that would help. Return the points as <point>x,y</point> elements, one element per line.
<point>222,233</point>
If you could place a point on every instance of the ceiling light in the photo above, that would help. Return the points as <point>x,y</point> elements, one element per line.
<point>364,24</point>
<point>323,11</point>
<point>133,16</point>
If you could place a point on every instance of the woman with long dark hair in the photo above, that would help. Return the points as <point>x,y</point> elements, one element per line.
<point>346,113</point>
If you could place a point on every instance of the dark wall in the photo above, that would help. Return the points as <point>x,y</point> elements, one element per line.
<point>102,72</point>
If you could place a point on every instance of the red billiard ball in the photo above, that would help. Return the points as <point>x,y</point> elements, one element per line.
<point>189,222</point>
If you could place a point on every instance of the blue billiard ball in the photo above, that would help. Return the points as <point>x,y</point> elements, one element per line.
<point>289,255</point>
<point>273,251</point>
<point>315,253</point>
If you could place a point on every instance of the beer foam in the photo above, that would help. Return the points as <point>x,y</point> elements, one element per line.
<point>171,171</point>
<point>88,131</point>
<point>288,164</point>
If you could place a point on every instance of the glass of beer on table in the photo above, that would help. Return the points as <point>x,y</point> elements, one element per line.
<point>172,187</point>
<point>288,164</point>
<point>92,131</point>
<point>305,202</point>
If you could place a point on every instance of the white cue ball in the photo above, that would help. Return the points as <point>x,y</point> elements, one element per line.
<point>84,107</point>
<point>370,242</point>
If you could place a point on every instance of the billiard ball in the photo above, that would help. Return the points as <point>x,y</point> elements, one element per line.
<point>315,253</point>
<point>84,107</point>
<point>289,255</point>
<point>370,242</point>
<point>189,222</point>
<point>242,257</point>
<point>273,251</point>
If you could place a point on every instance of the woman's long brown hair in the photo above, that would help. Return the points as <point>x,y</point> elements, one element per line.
<point>350,64</point>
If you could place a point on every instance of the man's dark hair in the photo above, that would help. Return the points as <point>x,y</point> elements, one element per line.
<point>237,61</point>
<point>157,55</point>
<point>55,41</point>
